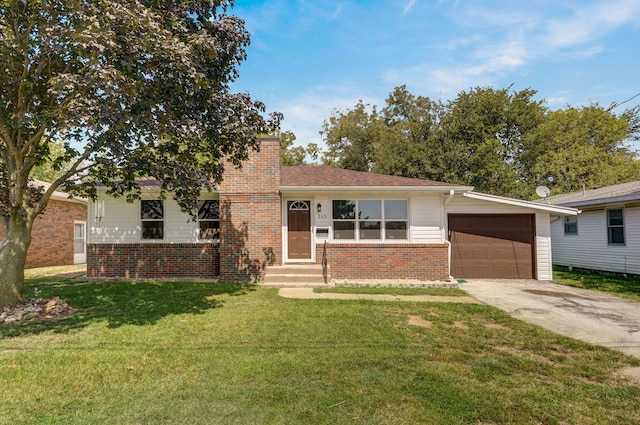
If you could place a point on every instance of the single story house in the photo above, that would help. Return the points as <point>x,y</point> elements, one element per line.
<point>605,236</point>
<point>58,236</point>
<point>362,225</point>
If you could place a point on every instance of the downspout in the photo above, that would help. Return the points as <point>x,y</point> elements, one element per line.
<point>448,198</point>
<point>449,258</point>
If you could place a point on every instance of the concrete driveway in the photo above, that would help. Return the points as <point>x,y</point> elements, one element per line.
<point>584,315</point>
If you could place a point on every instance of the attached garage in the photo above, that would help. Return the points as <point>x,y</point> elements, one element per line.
<point>493,245</point>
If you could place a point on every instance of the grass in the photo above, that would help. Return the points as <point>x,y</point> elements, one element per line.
<point>54,270</point>
<point>221,353</point>
<point>449,292</point>
<point>626,287</point>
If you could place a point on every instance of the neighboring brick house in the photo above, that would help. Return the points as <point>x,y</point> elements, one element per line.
<point>364,225</point>
<point>58,236</point>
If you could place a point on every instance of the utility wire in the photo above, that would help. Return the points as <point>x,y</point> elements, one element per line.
<point>616,104</point>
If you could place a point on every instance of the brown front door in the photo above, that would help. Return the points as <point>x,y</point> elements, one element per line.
<point>492,246</point>
<point>299,233</point>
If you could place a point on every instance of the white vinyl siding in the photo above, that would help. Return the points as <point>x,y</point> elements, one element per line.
<point>118,221</point>
<point>427,222</point>
<point>543,246</point>
<point>589,249</point>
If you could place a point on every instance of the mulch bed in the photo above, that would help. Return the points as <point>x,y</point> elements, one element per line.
<point>35,309</point>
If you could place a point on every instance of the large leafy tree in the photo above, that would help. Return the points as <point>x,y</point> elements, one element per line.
<point>582,147</point>
<point>484,129</point>
<point>350,137</point>
<point>55,166</point>
<point>132,88</point>
<point>412,146</point>
<point>500,141</point>
<point>296,155</point>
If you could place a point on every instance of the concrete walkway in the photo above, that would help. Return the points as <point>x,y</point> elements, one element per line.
<point>308,294</point>
<point>588,316</point>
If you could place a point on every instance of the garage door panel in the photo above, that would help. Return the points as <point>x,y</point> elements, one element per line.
<point>492,246</point>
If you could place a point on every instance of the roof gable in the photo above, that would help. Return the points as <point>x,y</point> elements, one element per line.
<point>317,176</point>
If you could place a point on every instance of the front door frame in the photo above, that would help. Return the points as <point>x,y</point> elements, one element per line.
<point>285,233</point>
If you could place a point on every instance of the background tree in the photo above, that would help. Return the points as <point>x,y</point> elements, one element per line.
<point>484,130</point>
<point>582,147</point>
<point>411,146</point>
<point>54,164</point>
<point>350,138</point>
<point>133,88</point>
<point>502,142</point>
<point>296,155</point>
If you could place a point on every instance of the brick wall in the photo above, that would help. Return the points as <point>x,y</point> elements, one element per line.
<point>52,234</point>
<point>153,260</point>
<point>250,225</point>
<point>387,261</point>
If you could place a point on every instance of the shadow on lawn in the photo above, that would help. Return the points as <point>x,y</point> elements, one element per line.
<point>122,303</point>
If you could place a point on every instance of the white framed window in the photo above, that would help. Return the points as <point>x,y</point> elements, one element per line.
<point>209,220</point>
<point>152,219</point>
<point>370,219</point>
<point>615,226</point>
<point>571,225</point>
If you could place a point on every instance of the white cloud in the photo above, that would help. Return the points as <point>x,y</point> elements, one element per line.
<point>408,7</point>
<point>336,13</point>
<point>305,113</point>
<point>557,102</point>
<point>591,22</point>
<point>447,81</point>
<point>480,58</point>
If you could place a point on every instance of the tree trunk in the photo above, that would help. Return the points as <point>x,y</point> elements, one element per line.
<point>13,255</point>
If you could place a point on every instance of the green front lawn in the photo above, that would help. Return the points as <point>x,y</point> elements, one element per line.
<point>219,353</point>
<point>55,270</point>
<point>627,287</point>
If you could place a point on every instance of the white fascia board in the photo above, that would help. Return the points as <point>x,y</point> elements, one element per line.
<point>603,201</point>
<point>61,196</point>
<point>520,203</point>
<point>58,195</point>
<point>446,189</point>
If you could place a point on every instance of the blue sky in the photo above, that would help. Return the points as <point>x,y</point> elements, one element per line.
<point>310,57</point>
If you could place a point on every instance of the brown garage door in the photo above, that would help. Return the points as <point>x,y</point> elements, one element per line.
<point>492,246</point>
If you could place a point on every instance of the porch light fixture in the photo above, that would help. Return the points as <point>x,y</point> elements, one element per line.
<point>319,207</point>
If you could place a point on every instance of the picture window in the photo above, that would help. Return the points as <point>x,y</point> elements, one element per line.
<point>370,219</point>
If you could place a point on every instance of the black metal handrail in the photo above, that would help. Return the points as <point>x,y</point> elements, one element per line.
<point>325,263</point>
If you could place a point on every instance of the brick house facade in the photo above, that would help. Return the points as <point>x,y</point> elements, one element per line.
<point>363,225</point>
<point>52,236</point>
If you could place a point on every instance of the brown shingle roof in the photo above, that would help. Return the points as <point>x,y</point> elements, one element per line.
<point>319,176</point>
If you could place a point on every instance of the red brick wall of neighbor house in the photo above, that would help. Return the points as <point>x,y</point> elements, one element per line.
<point>387,261</point>
<point>52,234</point>
<point>153,261</point>
<point>250,225</point>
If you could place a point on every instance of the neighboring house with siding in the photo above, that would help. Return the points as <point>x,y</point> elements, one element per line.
<point>58,236</point>
<point>605,236</point>
<point>362,225</point>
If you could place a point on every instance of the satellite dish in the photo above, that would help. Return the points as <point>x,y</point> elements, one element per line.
<point>542,191</point>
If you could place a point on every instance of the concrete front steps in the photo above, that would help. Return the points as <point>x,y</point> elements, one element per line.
<point>295,275</point>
